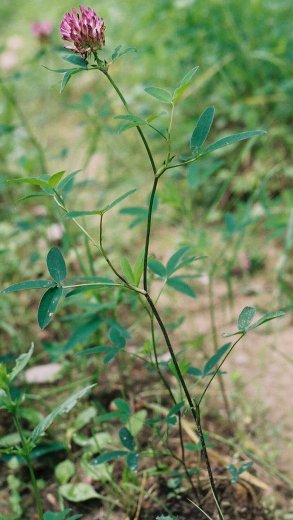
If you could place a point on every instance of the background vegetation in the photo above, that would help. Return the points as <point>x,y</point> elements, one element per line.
<point>234,208</point>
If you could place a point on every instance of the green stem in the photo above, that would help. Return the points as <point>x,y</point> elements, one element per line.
<point>30,467</point>
<point>118,91</point>
<point>132,287</point>
<point>181,460</point>
<point>219,367</point>
<point>194,408</point>
<point>156,314</point>
<point>148,234</point>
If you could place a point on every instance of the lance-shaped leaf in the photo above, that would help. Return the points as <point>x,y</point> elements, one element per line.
<point>157,267</point>
<point>119,199</point>
<point>214,360</point>
<point>175,259</point>
<point>231,139</point>
<point>179,284</point>
<point>187,79</point>
<point>65,407</point>
<point>76,214</point>
<point>20,363</point>
<point>56,265</point>
<point>266,317</point>
<point>175,409</point>
<point>56,178</point>
<point>109,456</point>
<point>31,180</point>
<point>48,305</point>
<point>30,284</point>
<point>76,59</point>
<point>159,93</point>
<point>202,128</point>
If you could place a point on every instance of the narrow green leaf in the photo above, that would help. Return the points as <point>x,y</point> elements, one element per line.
<point>65,407</point>
<point>184,84</point>
<point>188,77</point>
<point>20,364</point>
<point>157,267</point>
<point>76,214</point>
<point>112,354</point>
<point>195,372</point>
<point>245,318</point>
<point>214,360</point>
<point>76,59</point>
<point>175,409</point>
<point>48,305</point>
<point>127,270</point>
<point>267,317</point>
<point>109,456</point>
<point>127,438</point>
<point>132,461</point>
<point>129,118</point>
<point>202,128</point>
<point>119,199</point>
<point>231,139</point>
<point>67,76</point>
<point>31,180</point>
<point>30,284</point>
<point>177,283</point>
<point>159,93</point>
<point>68,179</point>
<point>56,265</point>
<point>175,259</point>
<point>138,268</point>
<point>116,53</point>
<point>56,178</point>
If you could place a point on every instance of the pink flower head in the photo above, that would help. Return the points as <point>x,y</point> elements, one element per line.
<point>42,30</point>
<point>84,30</point>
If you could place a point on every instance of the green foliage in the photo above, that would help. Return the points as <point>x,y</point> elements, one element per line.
<point>221,207</point>
<point>56,265</point>
<point>48,305</point>
<point>64,408</point>
<point>236,472</point>
<point>247,315</point>
<point>161,94</point>
<point>61,516</point>
<point>202,129</point>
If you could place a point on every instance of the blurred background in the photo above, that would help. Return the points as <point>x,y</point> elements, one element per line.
<point>237,202</point>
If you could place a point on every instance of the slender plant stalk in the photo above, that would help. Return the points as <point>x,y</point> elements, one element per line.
<point>148,234</point>
<point>142,136</point>
<point>182,459</point>
<point>30,467</point>
<point>218,368</point>
<point>194,408</point>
